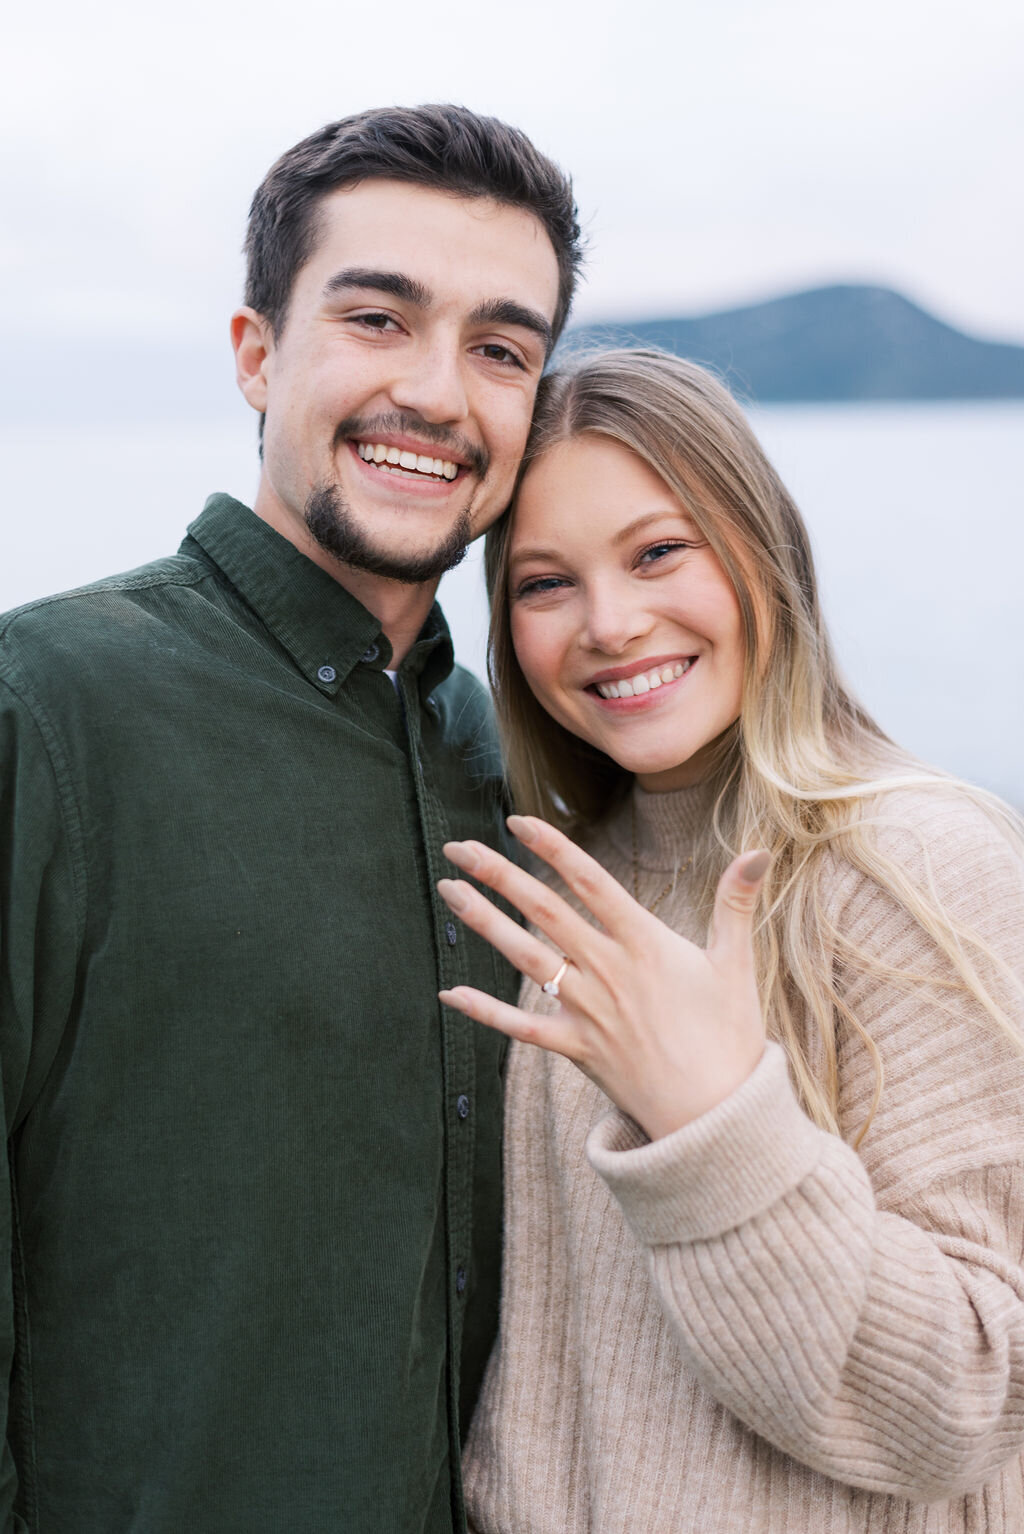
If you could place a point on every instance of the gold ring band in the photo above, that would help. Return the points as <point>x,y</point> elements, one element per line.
<point>550,987</point>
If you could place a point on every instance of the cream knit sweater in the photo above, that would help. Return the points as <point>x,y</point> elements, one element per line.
<point>747,1327</point>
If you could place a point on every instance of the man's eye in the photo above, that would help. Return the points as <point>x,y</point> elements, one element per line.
<point>374,321</point>
<point>503,354</point>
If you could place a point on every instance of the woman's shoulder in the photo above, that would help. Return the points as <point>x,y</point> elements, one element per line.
<point>958,845</point>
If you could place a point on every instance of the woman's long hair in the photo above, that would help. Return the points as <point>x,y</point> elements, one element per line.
<point>802,770</point>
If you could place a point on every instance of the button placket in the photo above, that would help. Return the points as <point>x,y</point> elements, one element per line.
<point>457,1031</point>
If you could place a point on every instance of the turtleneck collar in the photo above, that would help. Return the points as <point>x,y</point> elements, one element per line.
<point>667,825</point>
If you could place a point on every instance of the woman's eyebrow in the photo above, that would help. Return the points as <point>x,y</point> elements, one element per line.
<point>631,528</point>
<point>522,556</point>
<point>536,551</point>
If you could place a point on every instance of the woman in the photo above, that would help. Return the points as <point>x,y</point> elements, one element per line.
<point>765,1174</point>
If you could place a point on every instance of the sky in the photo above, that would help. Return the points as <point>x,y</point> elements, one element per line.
<point>722,151</point>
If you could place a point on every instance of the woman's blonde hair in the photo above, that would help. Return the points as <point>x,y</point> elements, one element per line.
<point>798,771</point>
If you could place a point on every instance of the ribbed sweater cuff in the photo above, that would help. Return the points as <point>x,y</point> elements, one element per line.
<point>729,1165</point>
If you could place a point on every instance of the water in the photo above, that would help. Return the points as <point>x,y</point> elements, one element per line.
<point>916,514</point>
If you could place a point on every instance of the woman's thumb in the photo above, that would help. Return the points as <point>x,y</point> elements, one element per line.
<point>735,901</point>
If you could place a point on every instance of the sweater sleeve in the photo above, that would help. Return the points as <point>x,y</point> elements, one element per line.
<point>862,1312</point>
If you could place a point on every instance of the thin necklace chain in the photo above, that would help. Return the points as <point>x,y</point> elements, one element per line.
<point>636,867</point>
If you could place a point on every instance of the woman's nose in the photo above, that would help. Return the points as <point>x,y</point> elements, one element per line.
<point>614,620</point>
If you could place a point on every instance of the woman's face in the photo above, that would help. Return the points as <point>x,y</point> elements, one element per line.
<point>625,625</point>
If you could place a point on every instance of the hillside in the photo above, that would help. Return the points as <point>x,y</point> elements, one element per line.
<point>835,343</point>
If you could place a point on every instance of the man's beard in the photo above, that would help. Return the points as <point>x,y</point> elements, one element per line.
<point>335,529</point>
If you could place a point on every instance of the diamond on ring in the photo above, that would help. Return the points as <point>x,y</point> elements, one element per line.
<point>550,987</point>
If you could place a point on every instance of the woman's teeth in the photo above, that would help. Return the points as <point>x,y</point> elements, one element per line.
<point>396,458</point>
<point>646,681</point>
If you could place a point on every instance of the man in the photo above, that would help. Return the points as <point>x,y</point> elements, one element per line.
<point>253,1233</point>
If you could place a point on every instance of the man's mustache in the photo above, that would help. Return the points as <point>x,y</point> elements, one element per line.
<point>397,422</point>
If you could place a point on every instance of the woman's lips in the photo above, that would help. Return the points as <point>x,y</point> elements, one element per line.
<point>641,689</point>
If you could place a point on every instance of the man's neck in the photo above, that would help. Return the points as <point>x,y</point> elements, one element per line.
<point>401,608</point>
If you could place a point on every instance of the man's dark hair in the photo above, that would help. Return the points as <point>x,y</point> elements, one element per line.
<point>446,147</point>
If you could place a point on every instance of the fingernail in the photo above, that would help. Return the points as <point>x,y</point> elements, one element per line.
<point>755,867</point>
<point>452,893</point>
<point>463,854</point>
<point>521,828</point>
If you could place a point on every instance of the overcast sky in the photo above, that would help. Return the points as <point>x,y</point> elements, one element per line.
<point>721,151</point>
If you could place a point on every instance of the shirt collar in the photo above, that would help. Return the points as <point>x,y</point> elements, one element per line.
<point>324,629</point>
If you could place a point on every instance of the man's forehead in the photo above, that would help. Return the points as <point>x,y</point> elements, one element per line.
<point>439,240</point>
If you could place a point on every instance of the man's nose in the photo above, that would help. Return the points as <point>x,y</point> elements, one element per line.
<point>431,381</point>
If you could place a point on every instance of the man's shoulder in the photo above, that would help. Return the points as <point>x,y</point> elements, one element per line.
<point>78,606</point>
<point>92,621</point>
<point>88,611</point>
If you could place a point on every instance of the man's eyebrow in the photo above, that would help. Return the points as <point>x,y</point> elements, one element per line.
<point>505,311</point>
<point>395,284</point>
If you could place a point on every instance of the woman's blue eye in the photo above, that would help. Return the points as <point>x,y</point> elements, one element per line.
<point>542,583</point>
<point>659,550</point>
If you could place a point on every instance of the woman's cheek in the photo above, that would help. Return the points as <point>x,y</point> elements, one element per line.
<point>540,650</point>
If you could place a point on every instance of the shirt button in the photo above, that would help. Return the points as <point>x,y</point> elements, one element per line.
<point>460,1280</point>
<point>450,933</point>
<point>370,654</point>
<point>462,1106</point>
<point>327,674</point>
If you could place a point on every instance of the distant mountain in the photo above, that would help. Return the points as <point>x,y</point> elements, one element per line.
<point>836,343</point>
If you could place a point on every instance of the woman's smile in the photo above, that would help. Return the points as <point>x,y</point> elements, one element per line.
<point>642,686</point>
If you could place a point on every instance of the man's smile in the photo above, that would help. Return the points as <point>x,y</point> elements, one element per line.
<point>405,462</point>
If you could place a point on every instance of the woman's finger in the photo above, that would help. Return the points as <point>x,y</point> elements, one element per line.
<point>732,924</point>
<point>552,1032</point>
<point>592,885</point>
<point>543,908</point>
<point>537,960</point>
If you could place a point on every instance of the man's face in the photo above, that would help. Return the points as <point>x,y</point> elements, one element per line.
<point>418,329</point>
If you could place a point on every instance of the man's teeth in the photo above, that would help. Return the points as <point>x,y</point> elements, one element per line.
<point>646,681</point>
<point>419,463</point>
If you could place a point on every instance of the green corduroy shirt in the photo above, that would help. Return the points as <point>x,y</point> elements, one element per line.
<point>252,1252</point>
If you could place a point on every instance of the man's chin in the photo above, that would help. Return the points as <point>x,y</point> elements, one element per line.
<point>336,531</point>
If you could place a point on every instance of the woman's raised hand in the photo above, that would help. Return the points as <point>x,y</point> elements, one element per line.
<point>666,1029</point>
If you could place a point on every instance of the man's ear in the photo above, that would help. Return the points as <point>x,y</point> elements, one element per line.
<point>253,342</point>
